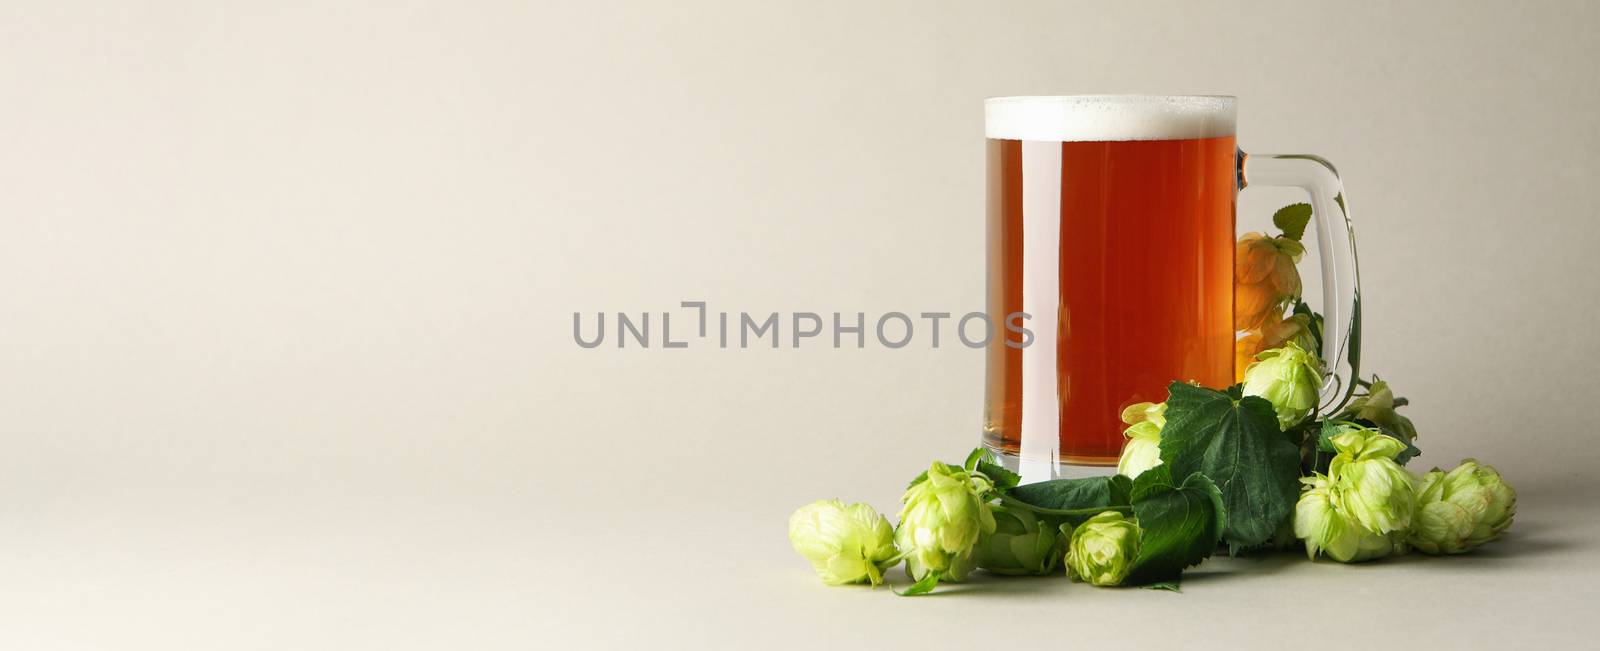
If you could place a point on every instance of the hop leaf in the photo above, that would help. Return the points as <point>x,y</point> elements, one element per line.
<point>1292,220</point>
<point>1234,440</point>
<point>1181,523</point>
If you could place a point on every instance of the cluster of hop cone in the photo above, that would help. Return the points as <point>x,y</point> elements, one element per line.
<point>1362,505</point>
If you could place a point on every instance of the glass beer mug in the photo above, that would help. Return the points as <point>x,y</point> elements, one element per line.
<point>1111,227</point>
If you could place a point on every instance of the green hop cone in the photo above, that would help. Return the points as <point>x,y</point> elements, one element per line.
<point>1146,412</point>
<point>1102,549</point>
<point>1462,509</point>
<point>1377,407</point>
<point>1320,520</point>
<point>1142,451</point>
<point>1290,378</point>
<point>941,522</point>
<point>1360,510</point>
<point>845,544</point>
<point>1021,544</point>
<point>1377,492</point>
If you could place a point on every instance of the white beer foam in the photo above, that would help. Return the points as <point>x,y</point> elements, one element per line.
<point>1079,118</point>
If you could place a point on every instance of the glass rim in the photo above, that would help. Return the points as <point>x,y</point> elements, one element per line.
<point>1130,98</point>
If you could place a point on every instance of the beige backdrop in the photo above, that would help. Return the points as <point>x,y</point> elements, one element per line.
<point>286,293</point>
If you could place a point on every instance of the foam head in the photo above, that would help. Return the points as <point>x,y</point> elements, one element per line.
<point>1079,118</point>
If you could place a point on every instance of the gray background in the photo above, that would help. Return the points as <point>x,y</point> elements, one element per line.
<point>286,294</point>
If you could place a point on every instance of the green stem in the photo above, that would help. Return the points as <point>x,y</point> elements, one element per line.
<point>1010,501</point>
<point>874,575</point>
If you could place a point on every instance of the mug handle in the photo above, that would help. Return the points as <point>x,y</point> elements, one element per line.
<point>1336,248</point>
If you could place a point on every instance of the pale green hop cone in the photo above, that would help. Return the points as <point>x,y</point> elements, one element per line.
<point>1020,544</point>
<point>1377,407</point>
<point>1290,378</point>
<point>1142,450</point>
<point>845,544</point>
<point>1327,529</point>
<point>942,519</point>
<point>1361,509</point>
<point>1461,509</point>
<point>1377,491</point>
<point>1102,549</point>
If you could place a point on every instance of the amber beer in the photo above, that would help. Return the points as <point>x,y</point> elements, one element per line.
<point>1111,224</point>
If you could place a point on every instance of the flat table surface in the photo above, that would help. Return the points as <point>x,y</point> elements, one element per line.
<point>369,566</point>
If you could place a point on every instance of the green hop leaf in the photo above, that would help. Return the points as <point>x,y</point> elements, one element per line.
<point>1292,220</point>
<point>1182,523</point>
<point>1074,497</point>
<point>973,457</point>
<point>1003,479</point>
<point>921,587</point>
<point>981,460</point>
<point>1234,440</point>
